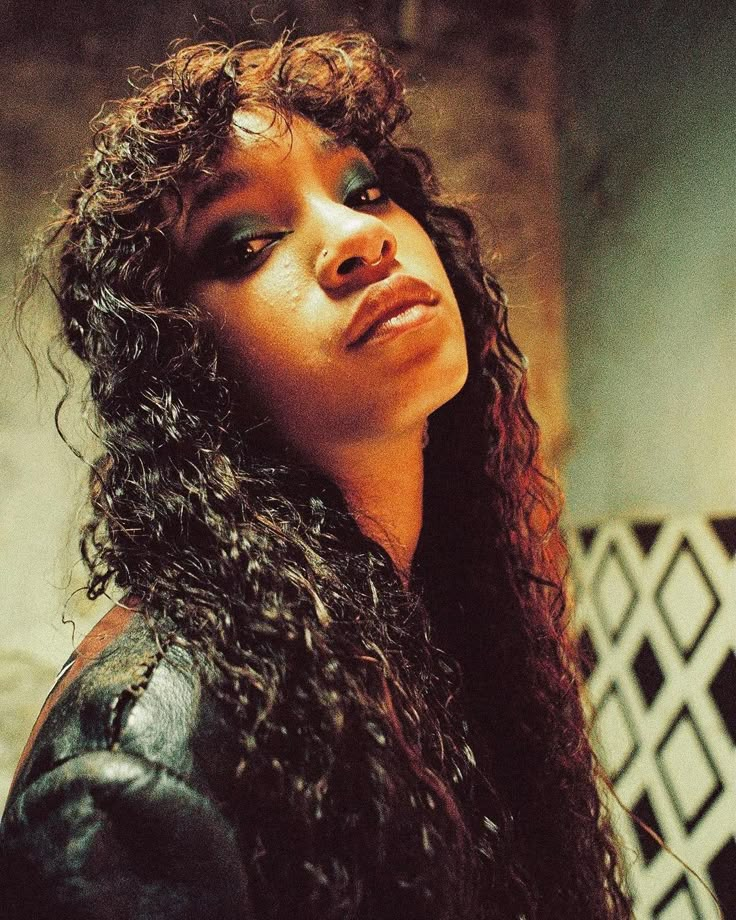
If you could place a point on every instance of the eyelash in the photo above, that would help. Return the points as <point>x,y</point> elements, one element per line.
<point>235,261</point>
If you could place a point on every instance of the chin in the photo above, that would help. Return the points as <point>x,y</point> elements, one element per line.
<point>451,373</point>
<point>444,386</point>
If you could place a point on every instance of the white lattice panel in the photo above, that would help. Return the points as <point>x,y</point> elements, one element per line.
<point>656,622</point>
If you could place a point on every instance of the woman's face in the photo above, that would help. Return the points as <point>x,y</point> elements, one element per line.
<point>295,252</point>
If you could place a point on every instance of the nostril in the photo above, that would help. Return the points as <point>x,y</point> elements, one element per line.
<point>349,265</point>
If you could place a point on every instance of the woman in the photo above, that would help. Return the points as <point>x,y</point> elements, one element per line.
<point>340,684</point>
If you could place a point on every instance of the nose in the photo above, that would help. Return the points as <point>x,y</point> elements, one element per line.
<point>357,249</point>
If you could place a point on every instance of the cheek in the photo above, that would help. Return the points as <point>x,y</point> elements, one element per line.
<point>417,247</point>
<point>261,321</point>
<point>281,362</point>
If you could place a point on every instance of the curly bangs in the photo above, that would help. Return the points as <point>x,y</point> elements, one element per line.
<point>175,129</point>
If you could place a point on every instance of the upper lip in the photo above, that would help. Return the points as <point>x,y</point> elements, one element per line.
<point>386,298</point>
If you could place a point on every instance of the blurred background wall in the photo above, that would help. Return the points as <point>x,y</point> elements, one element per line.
<point>593,142</point>
<point>648,211</point>
<point>649,165</point>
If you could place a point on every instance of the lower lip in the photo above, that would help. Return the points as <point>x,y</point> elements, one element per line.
<point>410,318</point>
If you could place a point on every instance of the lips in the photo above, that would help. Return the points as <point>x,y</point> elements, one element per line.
<point>387,298</point>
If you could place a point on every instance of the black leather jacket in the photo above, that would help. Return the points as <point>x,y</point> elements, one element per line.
<point>116,809</point>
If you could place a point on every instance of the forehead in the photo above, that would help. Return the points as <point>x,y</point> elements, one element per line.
<point>263,128</point>
<point>263,131</point>
<point>261,139</point>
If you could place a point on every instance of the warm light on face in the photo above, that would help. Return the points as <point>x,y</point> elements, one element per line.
<point>284,244</point>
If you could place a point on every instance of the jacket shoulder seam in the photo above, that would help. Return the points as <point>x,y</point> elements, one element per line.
<point>122,704</point>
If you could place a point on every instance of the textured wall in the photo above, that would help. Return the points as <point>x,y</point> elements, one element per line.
<point>650,214</point>
<point>47,106</point>
<point>489,120</point>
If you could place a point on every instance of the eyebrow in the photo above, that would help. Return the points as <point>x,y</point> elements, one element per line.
<point>221,185</point>
<point>214,189</point>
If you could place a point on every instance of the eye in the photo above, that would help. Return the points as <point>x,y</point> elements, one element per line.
<point>369,193</point>
<point>239,256</point>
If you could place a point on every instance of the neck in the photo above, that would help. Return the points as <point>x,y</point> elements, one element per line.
<point>383,485</point>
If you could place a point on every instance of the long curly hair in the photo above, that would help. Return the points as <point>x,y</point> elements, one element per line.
<point>415,753</point>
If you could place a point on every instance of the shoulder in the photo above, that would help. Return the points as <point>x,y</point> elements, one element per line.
<point>122,692</point>
<point>116,808</point>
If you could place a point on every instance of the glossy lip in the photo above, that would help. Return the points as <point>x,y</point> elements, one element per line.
<point>387,298</point>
